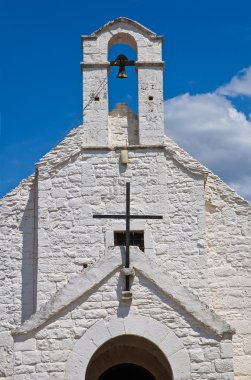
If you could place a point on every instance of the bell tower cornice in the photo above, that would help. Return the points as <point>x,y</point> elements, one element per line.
<point>125,20</point>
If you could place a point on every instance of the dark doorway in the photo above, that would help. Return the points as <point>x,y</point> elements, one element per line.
<point>126,371</point>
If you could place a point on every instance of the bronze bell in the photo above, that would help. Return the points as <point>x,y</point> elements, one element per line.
<point>122,73</point>
<point>121,61</point>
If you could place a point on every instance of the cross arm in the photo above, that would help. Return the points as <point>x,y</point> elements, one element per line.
<point>109,216</point>
<point>146,217</point>
<point>96,216</point>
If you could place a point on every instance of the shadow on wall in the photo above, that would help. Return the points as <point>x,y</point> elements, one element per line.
<point>28,227</point>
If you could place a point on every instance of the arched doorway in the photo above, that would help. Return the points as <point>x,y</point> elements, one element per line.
<point>128,357</point>
<point>135,339</point>
<point>126,371</point>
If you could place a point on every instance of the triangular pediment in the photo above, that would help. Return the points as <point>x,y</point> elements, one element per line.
<point>71,147</point>
<point>123,21</point>
<point>165,283</point>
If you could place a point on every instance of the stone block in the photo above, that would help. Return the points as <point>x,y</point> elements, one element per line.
<point>117,327</point>
<point>25,369</point>
<point>39,376</point>
<point>242,327</point>
<point>58,193</point>
<point>229,376</point>
<point>99,333</point>
<point>247,345</point>
<point>226,350</point>
<point>57,376</point>
<point>95,314</point>
<point>50,367</point>
<point>25,345</point>
<point>196,355</point>
<point>6,339</point>
<point>31,357</point>
<point>223,365</point>
<point>17,358</point>
<point>242,365</point>
<point>180,364</point>
<point>211,353</point>
<point>202,368</point>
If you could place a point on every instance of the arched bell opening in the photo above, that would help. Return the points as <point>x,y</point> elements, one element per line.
<point>129,357</point>
<point>123,38</point>
<point>123,91</point>
<point>122,88</point>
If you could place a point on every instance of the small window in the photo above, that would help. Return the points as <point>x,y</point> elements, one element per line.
<point>136,238</point>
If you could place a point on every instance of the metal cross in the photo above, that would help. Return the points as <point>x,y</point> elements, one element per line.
<point>127,216</point>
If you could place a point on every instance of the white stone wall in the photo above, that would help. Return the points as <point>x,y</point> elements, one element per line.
<point>95,112</point>
<point>229,241</point>
<point>44,354</point>
<point>17,266</point>
<point>149,65</point>
<point>94,183</point>
<point>203,241</point>
<point>123,126</point>
<point>148,47</point>
<point>150,103</point>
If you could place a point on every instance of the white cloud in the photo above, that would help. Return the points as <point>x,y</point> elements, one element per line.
<point>240,84</point>
<point>243,186</point>
<point>210,128</point>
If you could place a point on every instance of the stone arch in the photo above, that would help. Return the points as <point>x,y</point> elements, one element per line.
<point>123,38</point>
<point>132,350</point>
<point>123,124</point>
<point>142,327</point>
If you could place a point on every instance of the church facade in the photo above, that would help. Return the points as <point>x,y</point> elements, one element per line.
<point>122,256</point>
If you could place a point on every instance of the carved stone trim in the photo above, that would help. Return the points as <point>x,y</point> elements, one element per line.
<point>168,286</point>
<point>149,64</point>
<point>126,21</point>
<point>150,329</point>
<point>94,65</point>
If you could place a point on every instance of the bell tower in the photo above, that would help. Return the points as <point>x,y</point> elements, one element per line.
<point>148,125</point>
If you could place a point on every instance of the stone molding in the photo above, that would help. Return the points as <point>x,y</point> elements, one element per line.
<point>71,146</point>
<point>148,328</point>
<point>151,64</point>
<point>174,290</point>
<point>112,261</point>
<point>74,289</point>
<point>137,64</point>
<point>92,65</point>
<point>179,155</point>
<point>126,21</point>
<point>135,225</point>
<point>26,182</point>
<point>88,37</point>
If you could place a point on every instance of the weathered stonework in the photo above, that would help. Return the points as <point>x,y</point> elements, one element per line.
<point>61,305</point>
<point>148,48</point>
<point>123,126</point>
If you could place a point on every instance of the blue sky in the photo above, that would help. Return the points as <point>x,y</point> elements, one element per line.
<point>207,81</point>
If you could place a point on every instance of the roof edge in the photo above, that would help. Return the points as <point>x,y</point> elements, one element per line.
<point>83,283</point>
<point>72,291</point>
<point>181,295</point>
<point>127,21</point>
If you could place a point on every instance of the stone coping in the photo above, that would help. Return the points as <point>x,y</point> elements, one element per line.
<point>138,64</point>
<point>86,281</point>
<point>125,20</point>
<point>101,332</point>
